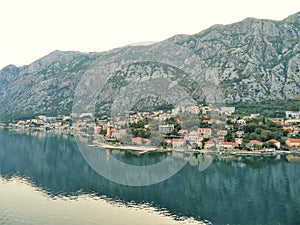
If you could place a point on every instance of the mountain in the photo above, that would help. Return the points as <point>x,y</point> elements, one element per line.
<point>251,61</point>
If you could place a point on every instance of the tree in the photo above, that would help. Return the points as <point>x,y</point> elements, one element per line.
<point>253,136</point>
<point>229,136</point>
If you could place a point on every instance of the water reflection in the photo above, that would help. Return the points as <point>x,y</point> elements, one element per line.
<point>227,192</point>
<point>130,170</point>
<point>22,203</point>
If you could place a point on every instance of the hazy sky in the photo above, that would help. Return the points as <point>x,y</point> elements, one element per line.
<point>31,29</point>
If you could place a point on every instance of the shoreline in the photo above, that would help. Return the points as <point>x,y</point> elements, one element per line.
<point>290,156</point>
<point>147,149</point>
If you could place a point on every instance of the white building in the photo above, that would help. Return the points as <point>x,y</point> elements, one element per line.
<point>241,122</point>
<point>227,110</point>
<point>84,115</point>
<point>194,138</point>
<point>118,134</point>
<point>166,128</point>
<point>292,114</point>
<point>178,142</point>
<point>205,131</point>
<point>255,115</point>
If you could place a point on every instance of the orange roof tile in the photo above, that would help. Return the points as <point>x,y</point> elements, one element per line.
<point>294,140</point>
<point>204,129</point>
<point>230,143</point>
<point>273,141</point>
<point>178,140</point>
<point>136,139</point>
<point>255,142</point>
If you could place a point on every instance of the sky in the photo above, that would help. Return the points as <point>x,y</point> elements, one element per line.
<point>31,29</point>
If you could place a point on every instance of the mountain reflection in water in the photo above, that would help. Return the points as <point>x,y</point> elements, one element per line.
<point>227,192</point>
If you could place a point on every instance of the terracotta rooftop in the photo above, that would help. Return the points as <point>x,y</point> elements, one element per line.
<point>255,142</point>
<point>273,141</point>
<point>204,129</point>
<point>294,140</point>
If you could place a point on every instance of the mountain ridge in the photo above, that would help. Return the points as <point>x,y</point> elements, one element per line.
<point>251,60</point>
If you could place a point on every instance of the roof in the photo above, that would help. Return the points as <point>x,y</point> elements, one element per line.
<point>273,141</point>
<point>230,143</point>
<point>204,128</point>
<point>178,140</point>
<point>136,139</point>
<point>182,131</point>
<point>255,142</point>
<point>294,140</point>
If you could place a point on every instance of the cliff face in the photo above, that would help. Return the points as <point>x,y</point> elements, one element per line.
<point>251,60</point>
<point>45,86</point>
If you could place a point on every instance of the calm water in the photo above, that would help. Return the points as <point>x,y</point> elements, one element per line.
<point>45,179</point>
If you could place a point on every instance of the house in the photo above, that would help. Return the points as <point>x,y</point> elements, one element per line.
<point>227,110</point>
<point>209,144</point>
<point>222,132</point>
<point>240,133</point>
<point>47,119</point>
<point>168,141</point>
<point>204,109</point>
<point>293,121</point>
<point>118,133</point>
<point>296,131</point>
<point>21,123</point>
<point>276,143</point>
<point>166,128</point>
<point>289,129</point>
<point>255,115</point>
<point>221,138</point>
<point>86,115</point>
<point>163,116</point>
<point>293,142</point>
<point>178,142</point>
<point>213,112</point>
<point>140,141</point>
<point>177,110</point>
<point>192,109</point>
<point>206,132</point>
<point>194,138</point>
<point>42,117</point>
<point>229,145</point>
<point>241,122</point>
<point>182,132</point>
<point>207,121</point>
<point>120,123</point>
<point>229,126</point>
<point>239,141</point>
<point>255,143</point>
<point>292,114</point>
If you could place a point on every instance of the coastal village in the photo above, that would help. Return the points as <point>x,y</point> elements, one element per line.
<point>217,129</point>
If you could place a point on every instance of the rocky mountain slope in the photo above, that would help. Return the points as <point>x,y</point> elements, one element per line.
<point>252,60</point>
